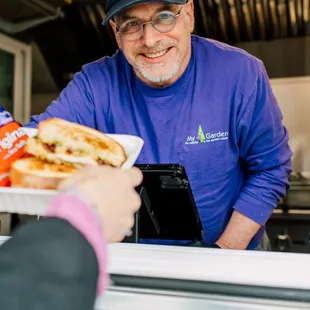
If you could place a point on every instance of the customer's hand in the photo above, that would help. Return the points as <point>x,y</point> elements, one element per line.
<point>111,192</point>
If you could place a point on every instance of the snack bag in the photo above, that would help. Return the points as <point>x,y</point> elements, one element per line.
<point>12,143</point>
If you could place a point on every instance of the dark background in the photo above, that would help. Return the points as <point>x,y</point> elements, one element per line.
<point>270,29</point>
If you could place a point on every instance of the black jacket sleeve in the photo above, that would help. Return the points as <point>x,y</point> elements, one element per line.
<point>47,265</point>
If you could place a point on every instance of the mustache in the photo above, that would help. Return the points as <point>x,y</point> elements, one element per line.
<point>159,48</point>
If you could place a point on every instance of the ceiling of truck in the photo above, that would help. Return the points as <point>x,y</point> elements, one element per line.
<point>21,10</point>
<point>69,32</point>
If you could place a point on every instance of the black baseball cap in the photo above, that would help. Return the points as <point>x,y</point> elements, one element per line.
<point>114,7</point>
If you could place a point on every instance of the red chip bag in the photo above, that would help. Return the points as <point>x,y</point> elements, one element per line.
<point>12,144</point>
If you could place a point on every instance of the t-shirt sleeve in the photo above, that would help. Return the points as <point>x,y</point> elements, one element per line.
<point>264,151</point>
<point>75,103</point>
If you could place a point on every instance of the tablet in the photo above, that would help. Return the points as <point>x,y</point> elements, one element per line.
<point>168,208</point>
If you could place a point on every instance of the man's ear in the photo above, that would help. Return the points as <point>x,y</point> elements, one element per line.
<point>190,14</point>
<point>113,25</point>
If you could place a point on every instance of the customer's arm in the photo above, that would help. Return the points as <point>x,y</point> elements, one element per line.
<point>54,263</point>
<point>266,156</point>
<point>60,261</point>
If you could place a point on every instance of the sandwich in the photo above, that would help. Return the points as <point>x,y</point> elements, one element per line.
<point>58,150</point>
<point>31,172</point>
<point>62,142</point>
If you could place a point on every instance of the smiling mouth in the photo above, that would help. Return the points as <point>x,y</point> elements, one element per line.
<point>156,55</point>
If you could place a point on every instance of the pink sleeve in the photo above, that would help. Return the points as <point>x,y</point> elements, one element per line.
<point>74,210</point>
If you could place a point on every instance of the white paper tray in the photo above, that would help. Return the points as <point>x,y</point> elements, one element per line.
<point>25,201</point>
<point>35,202</point>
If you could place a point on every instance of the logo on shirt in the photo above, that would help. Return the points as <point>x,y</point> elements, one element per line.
<point>207,137</point>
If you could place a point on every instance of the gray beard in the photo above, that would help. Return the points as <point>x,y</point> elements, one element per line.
<point>156,77</point>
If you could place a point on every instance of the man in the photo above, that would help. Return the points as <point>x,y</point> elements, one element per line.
<point>196,102</point>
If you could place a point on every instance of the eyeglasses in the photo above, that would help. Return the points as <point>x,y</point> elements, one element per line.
<point>162,22</point>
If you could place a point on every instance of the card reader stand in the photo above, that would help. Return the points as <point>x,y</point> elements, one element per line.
<point>168,209</point>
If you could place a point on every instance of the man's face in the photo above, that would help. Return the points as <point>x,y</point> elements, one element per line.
<point>157,58</point>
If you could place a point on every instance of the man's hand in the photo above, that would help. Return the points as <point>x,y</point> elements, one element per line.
<point>238,233</point>
<point>111,192</point>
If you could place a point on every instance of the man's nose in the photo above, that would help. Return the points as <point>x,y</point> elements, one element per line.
<point>150,35</point>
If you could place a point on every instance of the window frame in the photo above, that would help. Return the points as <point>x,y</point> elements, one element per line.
<point>22,76</point>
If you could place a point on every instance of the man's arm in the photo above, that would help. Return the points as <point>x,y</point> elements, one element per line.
<point>238,233</point>
<point>266,156</point>
<point>74,104</point>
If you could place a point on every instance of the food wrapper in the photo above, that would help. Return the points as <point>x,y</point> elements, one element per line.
<point>12,144</point>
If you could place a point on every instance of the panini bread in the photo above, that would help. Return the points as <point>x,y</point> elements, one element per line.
<point>34,173</point>
<point>58,150</point>
<point>59,141</point>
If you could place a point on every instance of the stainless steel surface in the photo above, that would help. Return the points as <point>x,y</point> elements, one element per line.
<point>298,196</point>
<point>257,268</point>
<point>269,269</point>
<point>131,299</point>
<point>285,271</point>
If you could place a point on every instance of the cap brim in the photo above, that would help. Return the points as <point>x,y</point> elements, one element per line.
<point>124,4</point>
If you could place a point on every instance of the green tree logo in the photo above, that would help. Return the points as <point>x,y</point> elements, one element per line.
<point>201,135</point>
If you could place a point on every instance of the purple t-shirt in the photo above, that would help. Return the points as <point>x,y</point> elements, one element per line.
<point>220,120</point>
